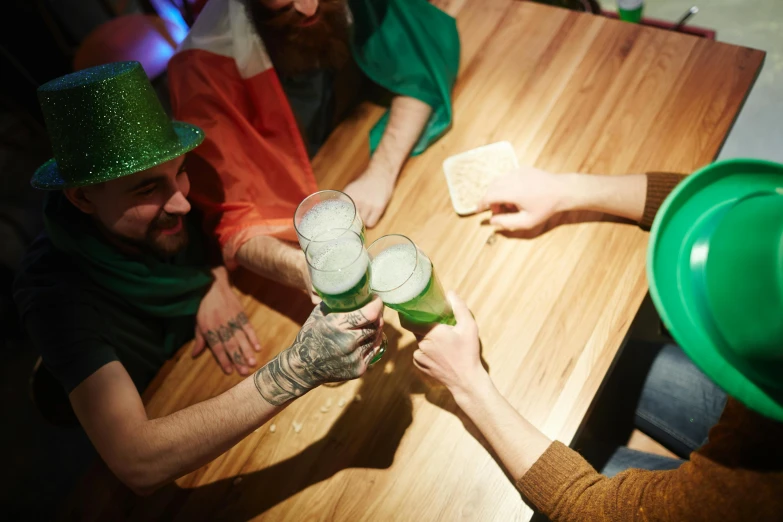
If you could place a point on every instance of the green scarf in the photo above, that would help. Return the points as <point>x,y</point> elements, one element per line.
<point>162,289</point>
<point>410,48</point>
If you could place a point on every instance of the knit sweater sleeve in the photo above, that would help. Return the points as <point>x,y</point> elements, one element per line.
<point>724,480</point>
<point>659,185</point>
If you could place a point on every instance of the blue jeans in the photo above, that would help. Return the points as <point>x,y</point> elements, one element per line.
<point>677,408</point>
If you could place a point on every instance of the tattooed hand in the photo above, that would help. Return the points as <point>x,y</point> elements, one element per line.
<point>222,325</point>
<point>329,348</point>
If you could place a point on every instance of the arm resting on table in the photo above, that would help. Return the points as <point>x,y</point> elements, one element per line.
<point>634,196</point>
<point>373,189</point>
<point>276,260</point>
<point>407,119</point>
<point>148,453</point>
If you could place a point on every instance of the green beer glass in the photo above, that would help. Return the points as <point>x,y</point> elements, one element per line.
<point>404,278</point>
<point>340,271</point>
<point>324,211</point>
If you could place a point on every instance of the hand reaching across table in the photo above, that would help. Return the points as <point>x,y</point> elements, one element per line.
<point>451,354</point>
<point>147,453</point>
<point>527,197</point>
<point>329,348</point>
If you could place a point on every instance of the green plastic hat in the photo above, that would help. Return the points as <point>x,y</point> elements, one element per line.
<point>106,122</point>
<point>715,267</point>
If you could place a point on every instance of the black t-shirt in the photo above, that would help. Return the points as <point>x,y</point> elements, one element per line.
<point>78,327</point>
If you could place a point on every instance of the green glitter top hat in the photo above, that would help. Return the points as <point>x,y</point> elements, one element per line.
<point>106,122</point>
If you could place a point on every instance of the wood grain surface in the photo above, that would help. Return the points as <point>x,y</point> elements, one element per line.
<point>571,92</point>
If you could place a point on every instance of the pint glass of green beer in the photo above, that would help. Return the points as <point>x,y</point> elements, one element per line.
<point>404,278</point>
<point>325,210</point>
<point>340,270</point>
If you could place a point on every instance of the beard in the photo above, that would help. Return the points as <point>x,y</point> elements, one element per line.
<point>167,245</point>
<point>156,243</point>
<point>295,48</point>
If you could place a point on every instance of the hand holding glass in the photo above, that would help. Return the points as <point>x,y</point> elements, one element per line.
<point>340,271</point>
<point>404,278</point>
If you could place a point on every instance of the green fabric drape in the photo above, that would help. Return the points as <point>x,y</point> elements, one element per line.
<point>410,48</point>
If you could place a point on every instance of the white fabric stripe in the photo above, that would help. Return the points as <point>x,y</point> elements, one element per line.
<point>224,28</point>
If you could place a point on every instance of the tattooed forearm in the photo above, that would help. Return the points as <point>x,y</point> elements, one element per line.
<point>277,383</point>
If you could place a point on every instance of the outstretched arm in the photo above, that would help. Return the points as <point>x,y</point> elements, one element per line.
<point>148,453</point>
<point>528,197</point>
<point>373,189</point>
<point>276,260</point>
<point>555,478</point>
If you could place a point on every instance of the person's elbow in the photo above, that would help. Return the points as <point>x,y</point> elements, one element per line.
<point>138,469</point>
<point>143,491</point>
<point>142,482</point>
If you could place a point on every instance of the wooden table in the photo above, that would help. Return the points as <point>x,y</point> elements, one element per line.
<point>571,92</point>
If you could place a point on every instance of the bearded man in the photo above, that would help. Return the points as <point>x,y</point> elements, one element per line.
<point>268,80</point>
<point>117,283</point>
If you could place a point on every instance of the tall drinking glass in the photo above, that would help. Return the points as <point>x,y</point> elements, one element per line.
<point>340,270</point>
<point>404,278</point>
<point>323,211</point>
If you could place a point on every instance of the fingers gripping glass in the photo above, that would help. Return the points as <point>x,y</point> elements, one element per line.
<point>323,211</point>
<point>404,278</point>
<point>340,271</point>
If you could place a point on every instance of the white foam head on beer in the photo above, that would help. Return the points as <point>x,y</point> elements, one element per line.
<point>338,264</point>
<point>326,215</point>
<point>391,273</point>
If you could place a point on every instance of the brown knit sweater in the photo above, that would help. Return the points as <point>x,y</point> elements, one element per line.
<point>737,475</point>
<point>659,185</point>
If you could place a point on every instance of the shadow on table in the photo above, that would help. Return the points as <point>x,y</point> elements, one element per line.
<point>562,219</point>
<point>290,302</point>
<point>366,435</point>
